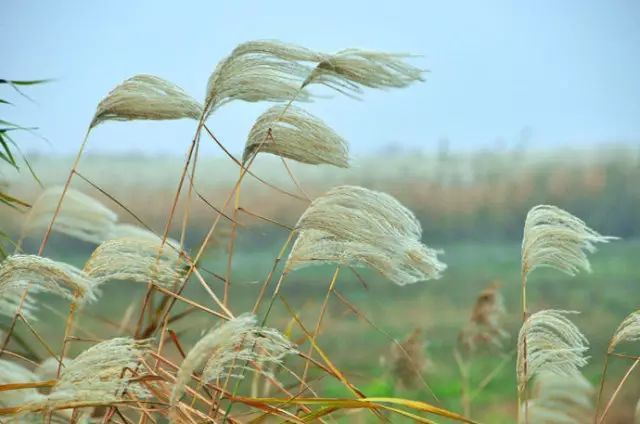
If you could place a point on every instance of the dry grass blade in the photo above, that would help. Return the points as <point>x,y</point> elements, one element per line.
<point>297,135</point>
<point>136,259</point>
<point>146,97</point>
<point>627,331</point>
<point>556,239</point>
<point>225,350</point>
<point>19,272</point>
<point>553,344</point>
<point>348,70</point>
<point>81,216</point>
<point>355,226</point>
<point>561,399</point>
<point>259,71</point>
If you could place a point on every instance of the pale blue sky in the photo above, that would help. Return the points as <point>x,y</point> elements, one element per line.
<point>564,71</point>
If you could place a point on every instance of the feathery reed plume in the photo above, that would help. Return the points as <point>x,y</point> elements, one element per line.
<point>135,259</point>
<point>98,374</point>
<point>10,373</point>
<point>349,69</point>
<point>627,331</point>
<point>18,272</point>
<point>556,239</point>
<point>561,399</point>
<point>225,349</point>
<point>146,97</point>
<point>485,325</point>
<point>48,369</point>
<point>81,216</point>
<point>553,344</point>
<point>297,135</point>
<point>355,226</point>
<point>259,71</point>
<point>134,231</point>
<point>405,365</point>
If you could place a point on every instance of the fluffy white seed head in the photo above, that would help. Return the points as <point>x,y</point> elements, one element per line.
<point>11,372</point>
<point>98,374</point>
<point>356,226</point>
<point>81,216</point>
<point>295,134</point>
<point>627,331</point>
<point>553,344</point>
<point>561,399</point>
<point>146,97</point>
<point>224,351</point>
<point>259,71</point>
<point>350,69</point>
<point>40,274</point>
<point>556,239</point>
<point>141,260</point>
<point>136,232</point>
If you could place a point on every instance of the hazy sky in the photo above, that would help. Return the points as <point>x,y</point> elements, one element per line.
<point>563,72</point>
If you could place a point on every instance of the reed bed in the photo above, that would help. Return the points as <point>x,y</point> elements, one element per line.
<point>242,368</point>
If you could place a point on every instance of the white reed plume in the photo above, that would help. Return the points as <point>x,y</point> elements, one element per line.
<point>40,274</point>
<point>48,369</point>
<point>81,216</point>
<point>556,239</point>
<point>348,70</point>
<point>224,351</point>
<point>134,231</point>
<point>553,344</point>
<point>297,135</point>
<point>259,71</point>
<point>146,97</point>
<point>356,226</point>
<point>141,260</point>
<point>561,399</point>
<point>627,331</point>
<point>98,374</point>
<point>10,373</point>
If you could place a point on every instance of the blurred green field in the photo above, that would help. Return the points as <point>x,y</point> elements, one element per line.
<point>440,308</point>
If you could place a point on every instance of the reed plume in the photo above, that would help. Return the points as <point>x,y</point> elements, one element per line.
<point>559,399</point>
<point>485,326</point>
<point>292,133</point>
<point>40,274</point>
<point>356,226</point>
<point>350,69</point>
<point>259,71</point>
<point>556,239</point>
<point>81,216</point>
<point>146,97</point>
<point>225,349</point>
<point>11,372</point>
<point>136,232</point>
<point>409,361</point>
<point>553,344</point>
<point>627,331</point>
<point>141,260</point>
<point>98,374</point>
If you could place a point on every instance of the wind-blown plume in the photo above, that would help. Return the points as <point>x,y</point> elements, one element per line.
<point>146,97</point>
<point>11,372</point>
<point>259,71</point>
<point>355,226</point>
<point>98,374</point>
<point>561,399</point>
<point>553,344</point>
<point>134,231</point>
<point>409,361</point>
<point>485,325</point>
<point>40,274</point>
<point>297,135</point>
<point>224,351</point>
<point>627,331</point>
<point>348,70</point>
<point>136,259</point>
<point>81,216</point>
<point>556,239</point>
